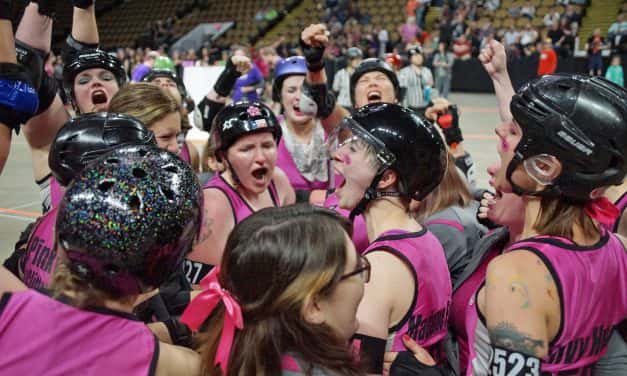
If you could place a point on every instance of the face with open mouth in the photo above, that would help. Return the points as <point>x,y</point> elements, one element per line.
<point>93,89</point>
<point>506,208</point>
<point>354,163</point>
<point>509,135</point>
<point>252,158</point>
<point>374,87</point>
<point>290,99</point>
<point>170,87</point>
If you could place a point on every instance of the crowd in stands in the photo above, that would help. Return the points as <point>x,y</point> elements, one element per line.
<point>461,31</point>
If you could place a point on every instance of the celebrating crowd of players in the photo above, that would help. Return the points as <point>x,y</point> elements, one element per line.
<point>328,239</point>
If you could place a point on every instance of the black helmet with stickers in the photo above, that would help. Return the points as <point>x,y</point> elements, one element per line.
<point>128,220</point>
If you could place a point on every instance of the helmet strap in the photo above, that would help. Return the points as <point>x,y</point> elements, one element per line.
<point>370,194</point>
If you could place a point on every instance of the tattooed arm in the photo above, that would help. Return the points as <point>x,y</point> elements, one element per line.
<point>217,223</point>
<point>522,307</point>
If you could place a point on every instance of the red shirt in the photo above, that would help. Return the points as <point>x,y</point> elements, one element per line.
<point>548,62</point>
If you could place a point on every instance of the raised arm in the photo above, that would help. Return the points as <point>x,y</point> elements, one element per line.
<point>494,61</point>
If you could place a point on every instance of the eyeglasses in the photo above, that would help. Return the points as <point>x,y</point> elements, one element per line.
<point>363,269</point>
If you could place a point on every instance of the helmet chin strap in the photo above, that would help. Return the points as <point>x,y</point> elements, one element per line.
<point>236,180</point>
<point>371,194</point>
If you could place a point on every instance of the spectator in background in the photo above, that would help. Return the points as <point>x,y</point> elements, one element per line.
<point>462,48</point>
<point>572,15</point>
<point>528,10</point>
<point>408,30</point>
<point>492,5</point>
<point>384,38</point>
<point>511,36</point>
<point>547,63</point>
<point>617,31</point>
<point>551,17</point>
<point>421,10</point>
<point>556,34</point>
<point>615,71</point>
<point>528,38</point>
<point>595,46</point>
<point>142,69</point>
<point>410,8</point>
<point>341,81</point>
<point>246,86</point>
<point>443,61</point>
<point>416,79</point>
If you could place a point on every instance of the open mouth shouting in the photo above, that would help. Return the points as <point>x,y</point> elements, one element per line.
<point>99,98</point>
<point>260,175</point>
<point>374,96</point>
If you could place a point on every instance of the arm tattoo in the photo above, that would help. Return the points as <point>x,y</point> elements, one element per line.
<point>505,335</point>
<point>521,288</point>
<point>205,229</point>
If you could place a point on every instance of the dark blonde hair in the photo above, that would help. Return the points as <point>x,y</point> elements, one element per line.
<point>558,217</point>
<point>453,190</point>
<point>147,102</point>
<point>273,262</point>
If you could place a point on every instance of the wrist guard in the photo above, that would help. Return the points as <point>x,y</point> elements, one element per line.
<point>406,364</point>
<point>45,8</point>
<point>466,165</point>
<point>226,81</point>
<point>313,56</point>
<point>449,123</point>
<point>18,98</point>
<point>73,47</point>
<point>316,100</point>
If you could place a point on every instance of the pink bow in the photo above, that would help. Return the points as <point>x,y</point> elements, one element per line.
<point>201,307</point>
<point>602,210</point>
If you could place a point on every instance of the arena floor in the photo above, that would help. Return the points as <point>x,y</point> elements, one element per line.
<point>19,195</point>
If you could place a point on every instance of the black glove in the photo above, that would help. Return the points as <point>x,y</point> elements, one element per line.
<point>313,56</point>
<point>46,7</point>
<point>406,364</point>
<point>449,123</point>
<point>180,334</point>
<point>226,81</point>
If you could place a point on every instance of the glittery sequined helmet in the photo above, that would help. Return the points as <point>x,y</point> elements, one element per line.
<point>127,221</point>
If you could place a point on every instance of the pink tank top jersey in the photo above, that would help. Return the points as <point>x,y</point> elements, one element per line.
<point>427,320</point>
<point>461,297</point>
<point>40,258</point>
<point>42,336</point>
<point>592,288</point>
<point>184,154</point>
<point>360,231</point>
<point>195,271</point>
<point>239,206</point>
<point>56,192</point>
<point>286,163</point>
<point>621,205</point>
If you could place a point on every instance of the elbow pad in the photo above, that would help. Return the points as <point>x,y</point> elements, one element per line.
<point>316,100</point>
<point>18,98</point>
<point>371,351</point>
<point>226,81</point>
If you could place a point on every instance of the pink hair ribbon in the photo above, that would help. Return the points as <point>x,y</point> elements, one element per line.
<point>602,210</point>
<point>201,307</point>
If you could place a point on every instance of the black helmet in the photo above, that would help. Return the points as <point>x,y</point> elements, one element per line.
<point>580,120</point>
<point>240,119</point>
<point>87,59</point>
<point>291,66</point>
<point>370,65</point>
<point>127,221</point>
<point>404,142</point>
<point>87,137</point>
<point>154,73</point>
